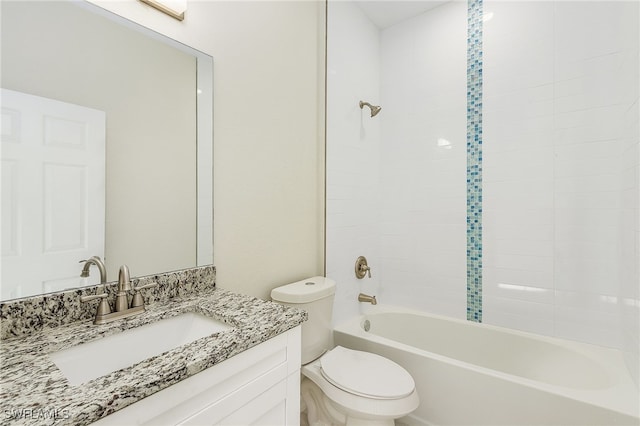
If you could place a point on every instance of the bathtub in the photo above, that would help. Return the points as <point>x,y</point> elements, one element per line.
<point>476,374</point>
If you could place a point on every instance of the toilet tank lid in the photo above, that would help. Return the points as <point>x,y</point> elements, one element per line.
<point>304,291</point>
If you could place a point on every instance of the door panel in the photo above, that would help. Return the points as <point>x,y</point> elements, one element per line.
<point>53,192</point>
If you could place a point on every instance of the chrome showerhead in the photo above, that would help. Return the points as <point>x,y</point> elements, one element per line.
<point>374,108</point>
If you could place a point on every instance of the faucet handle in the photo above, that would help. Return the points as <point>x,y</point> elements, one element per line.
<point>137,297</point>
<point>142,287</point>
<point>85,299</point>
<point>367,269</point>
<point>362,268</point>
<point>103,307</point>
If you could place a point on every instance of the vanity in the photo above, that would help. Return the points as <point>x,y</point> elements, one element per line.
<point>243,370</point>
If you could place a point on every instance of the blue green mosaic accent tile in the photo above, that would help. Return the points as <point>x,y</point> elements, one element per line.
<point>474,160</point>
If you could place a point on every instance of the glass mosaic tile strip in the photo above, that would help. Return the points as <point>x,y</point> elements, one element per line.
<point>474,160</point>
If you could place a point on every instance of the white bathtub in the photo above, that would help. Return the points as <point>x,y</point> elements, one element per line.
<point>477,374</point>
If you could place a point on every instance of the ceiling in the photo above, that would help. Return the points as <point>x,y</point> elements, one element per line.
<point>385,13</point>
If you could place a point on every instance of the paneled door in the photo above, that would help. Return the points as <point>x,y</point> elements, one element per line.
<point>53,192</point>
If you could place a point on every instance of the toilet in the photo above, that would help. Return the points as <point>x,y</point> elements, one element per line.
<point>342,386</point>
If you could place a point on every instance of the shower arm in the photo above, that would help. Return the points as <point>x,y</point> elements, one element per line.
<point>375,109</point>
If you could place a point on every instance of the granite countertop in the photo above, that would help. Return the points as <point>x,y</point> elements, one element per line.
<point>34,391</point>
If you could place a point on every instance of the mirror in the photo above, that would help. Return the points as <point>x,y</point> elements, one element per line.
<point>155,99</point>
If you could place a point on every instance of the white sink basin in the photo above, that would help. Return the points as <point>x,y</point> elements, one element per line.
<point>88,361</point>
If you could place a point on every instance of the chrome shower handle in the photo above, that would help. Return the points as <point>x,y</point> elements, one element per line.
<point>362,268</point>
<point>367,269</point>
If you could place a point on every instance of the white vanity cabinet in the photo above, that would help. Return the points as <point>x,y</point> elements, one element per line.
<point>260,386</point>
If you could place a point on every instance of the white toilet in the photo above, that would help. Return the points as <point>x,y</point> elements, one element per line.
<point>342,386</point>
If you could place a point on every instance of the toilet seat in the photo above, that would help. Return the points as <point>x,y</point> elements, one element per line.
<point>366,374</point>
<point>360,405</point>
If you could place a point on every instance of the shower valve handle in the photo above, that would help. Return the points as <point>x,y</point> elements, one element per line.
<point>367,269</point>
<point>362,268</point>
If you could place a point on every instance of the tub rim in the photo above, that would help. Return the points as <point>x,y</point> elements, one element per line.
<point>621,396</point>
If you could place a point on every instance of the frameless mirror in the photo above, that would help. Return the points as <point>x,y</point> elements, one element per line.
<point>107,146</point>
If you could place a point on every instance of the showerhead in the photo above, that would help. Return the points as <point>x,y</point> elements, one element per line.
<point>374,108</point>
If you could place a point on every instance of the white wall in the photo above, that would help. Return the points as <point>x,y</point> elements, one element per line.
<point>394,194</point>
<point>353,154</point>
<point>629,294</point>
<point>268,133</point>
<point>423,186</point>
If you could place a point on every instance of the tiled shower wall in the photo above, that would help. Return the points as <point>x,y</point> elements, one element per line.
<point>560,140</point>
<point>561,79</point>
<point>561,170</point>
<point>353,155</point>
<point>423,186</point>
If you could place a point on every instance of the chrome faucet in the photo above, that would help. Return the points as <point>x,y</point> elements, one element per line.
<point>124,285</point>
<point>366,298</point>
<point>122,307</point>
<point>94,260</point>
<point>103,307</point>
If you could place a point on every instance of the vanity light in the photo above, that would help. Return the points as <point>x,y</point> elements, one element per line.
<point>173,8</point>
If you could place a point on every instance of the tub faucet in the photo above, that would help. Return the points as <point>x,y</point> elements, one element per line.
<point>366,298</point>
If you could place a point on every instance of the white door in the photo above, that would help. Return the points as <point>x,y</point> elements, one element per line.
<point>53,192</point>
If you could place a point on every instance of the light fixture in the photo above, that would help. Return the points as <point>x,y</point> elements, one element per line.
<point>173,8</point>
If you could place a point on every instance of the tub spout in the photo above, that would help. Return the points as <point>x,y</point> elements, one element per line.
<point>366,298</point>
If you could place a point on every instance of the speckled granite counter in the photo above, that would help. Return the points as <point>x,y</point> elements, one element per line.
<point>34,391</point>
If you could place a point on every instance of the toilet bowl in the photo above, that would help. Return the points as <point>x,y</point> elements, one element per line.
<point>353,387</point>
<point>342,386</point>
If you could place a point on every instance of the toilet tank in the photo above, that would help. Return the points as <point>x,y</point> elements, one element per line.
<point>314,295</point>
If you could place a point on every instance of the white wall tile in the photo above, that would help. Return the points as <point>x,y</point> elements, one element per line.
<point>561,165</point>
<point>423,87</point>
<point>596,327</point>
<point>519,314</point>
<point>560,137</point>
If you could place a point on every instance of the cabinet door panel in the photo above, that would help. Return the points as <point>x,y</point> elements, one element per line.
<point>267,408</point>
